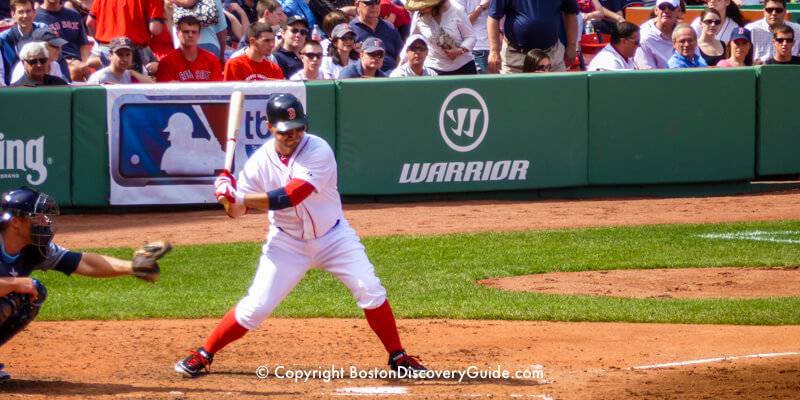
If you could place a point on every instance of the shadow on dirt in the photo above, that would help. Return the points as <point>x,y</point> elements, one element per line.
<point>64,388</point>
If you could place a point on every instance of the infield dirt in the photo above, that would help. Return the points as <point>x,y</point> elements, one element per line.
<point>133,359</point>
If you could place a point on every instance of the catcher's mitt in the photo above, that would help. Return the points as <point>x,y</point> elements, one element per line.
<point>144,265</point>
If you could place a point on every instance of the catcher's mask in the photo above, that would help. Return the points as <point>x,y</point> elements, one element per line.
<point>40,208</point>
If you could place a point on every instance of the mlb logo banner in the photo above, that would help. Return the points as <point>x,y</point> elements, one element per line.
<point>167,142</point>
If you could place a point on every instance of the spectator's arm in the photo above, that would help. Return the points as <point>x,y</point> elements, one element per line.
<point>222,37</point>
<point>495,43</point>
<point>643,59</point>
<point>350,11</point>
<point>480,8</point>
<point>236,26</point>
<point>241,16</point>
<point>142,77</point>
<point>571,26</point>
<point>91,25</point>
<point>86,51</point>
<point>468,38</point>
<point>613,16</point>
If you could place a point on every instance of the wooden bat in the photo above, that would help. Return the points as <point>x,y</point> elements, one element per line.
<point>235,110</point>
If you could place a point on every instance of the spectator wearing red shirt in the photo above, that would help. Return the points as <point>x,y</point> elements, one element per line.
<point>189,63</point>
<point>253,65</point>
<point>397,16</point>
<point>134,19</point>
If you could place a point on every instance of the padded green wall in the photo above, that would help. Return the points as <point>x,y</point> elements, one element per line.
<point>671,126</point>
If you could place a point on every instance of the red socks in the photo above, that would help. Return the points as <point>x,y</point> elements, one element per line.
<point>381,320</point>
<point>226,332</point>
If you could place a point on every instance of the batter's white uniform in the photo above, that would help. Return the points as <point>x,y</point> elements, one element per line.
<point>312,234</point>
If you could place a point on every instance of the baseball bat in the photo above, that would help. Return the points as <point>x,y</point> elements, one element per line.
<point>234,118</point>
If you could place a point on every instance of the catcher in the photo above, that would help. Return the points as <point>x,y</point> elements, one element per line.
<point>26,233</point>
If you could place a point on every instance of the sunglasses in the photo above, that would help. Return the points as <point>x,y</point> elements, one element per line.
<point>313,56</point>
<point>299,30</point>
<point>784,40</point>
<point>667,7</point>
<point>774,10</point>
<point>375,54</point>
<point>542,68</point>
<point>417,49</point>
<point>37,61</point>
<point>348,38</point>
<point>712,22</point>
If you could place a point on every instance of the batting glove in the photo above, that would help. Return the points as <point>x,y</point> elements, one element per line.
<point>223,178</point>
<point>225,186</point>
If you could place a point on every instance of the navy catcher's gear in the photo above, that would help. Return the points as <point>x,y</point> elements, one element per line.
<point>17,311</point>
<point>39,207</point>
<point>285,112</point>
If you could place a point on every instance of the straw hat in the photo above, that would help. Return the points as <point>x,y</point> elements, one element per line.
<point>416,5</point>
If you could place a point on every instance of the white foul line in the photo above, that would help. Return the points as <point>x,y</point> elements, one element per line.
<point>717,359</point>
<point>759,236</point>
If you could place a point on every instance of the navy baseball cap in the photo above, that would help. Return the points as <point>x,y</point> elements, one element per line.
<point>741,34</point>
<point>372,44</point>
<point>296,18</point>
<point>44,35</point>
<point>340,30</point>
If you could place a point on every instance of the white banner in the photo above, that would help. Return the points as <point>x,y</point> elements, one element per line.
<point>167,141</point>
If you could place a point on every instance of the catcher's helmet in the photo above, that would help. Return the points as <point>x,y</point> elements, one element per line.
<point>285,112</point>
<point>37,206</point>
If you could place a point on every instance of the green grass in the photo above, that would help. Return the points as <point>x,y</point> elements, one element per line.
<point>434,276</point>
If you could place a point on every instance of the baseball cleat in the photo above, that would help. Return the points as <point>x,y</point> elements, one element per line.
<point>195,364</point>
<point>4,376</point>
<point>404,363</point>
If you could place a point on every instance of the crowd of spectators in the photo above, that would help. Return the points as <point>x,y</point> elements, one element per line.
<point>59,42</point>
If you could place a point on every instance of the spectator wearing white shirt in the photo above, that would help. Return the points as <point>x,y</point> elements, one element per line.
<point>118,71</point>
<point>761,30</point>
<point>656,35</point>
<point>413,58</point>
<point>449,32</point>
<point>477,13</point>
<point>341,51</point>
<point>311,54</point>
<point>618,55</point>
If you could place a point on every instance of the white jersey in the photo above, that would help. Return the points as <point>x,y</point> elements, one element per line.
<point>313,162</point>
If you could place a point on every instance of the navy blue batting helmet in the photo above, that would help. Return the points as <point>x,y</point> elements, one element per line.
<point>285,112</point>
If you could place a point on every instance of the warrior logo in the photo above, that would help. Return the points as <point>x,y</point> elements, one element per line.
<point>463,120</point>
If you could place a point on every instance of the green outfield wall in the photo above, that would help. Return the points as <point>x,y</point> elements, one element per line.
<point>671,126</point>
<point>778,130</point>
<point>469,134</point>
<point>450,134</point>
<point>36,140</point>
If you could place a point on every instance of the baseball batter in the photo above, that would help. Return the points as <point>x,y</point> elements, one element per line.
<point>26,233</point>
<point>293,176</point>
